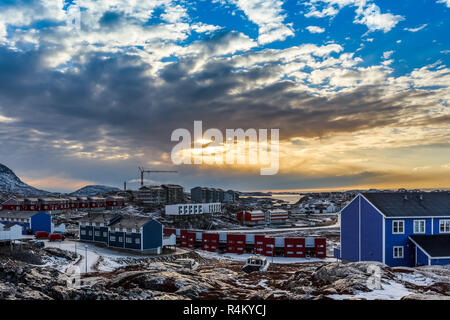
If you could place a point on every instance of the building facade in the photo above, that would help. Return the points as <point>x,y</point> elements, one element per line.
<point>122,231</point>
<point>385,227</point>
<point>30,222</point>
<point>185,209</point>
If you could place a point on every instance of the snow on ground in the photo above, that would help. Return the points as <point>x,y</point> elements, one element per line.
<point>97,258</point>
<point>265,230</point>
<point>415,278</point>
<point>389,291</point>
<point>245,256</point>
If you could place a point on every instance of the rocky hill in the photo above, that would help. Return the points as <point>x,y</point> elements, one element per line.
<point>10,183</point>
<point>93,190</point>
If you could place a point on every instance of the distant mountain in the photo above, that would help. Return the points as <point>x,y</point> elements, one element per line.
<point>10,183</point>
<point>93,190</point>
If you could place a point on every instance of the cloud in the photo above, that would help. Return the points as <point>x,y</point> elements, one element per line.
<point>269,16</point>
<point>446,2</point>
<point>367,13</point>
<point>375,20</point>
<point>417,28</point>
<point>315,29</point>
<point>387,54</point>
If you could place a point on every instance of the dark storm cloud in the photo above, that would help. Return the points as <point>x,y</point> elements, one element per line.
<point>115,95</point>
<point>115,92</point>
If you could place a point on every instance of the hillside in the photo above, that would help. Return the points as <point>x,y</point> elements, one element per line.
<point>93,190</point>
<point>10,183</point>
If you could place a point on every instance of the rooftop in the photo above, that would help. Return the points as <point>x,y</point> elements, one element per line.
<point>17,214</point>
<point>419,204</point>
<point>434,245</point>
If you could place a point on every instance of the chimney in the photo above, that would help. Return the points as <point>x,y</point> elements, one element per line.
<point>125,186</point>
<point>405,197</point>
<point>421,197</point>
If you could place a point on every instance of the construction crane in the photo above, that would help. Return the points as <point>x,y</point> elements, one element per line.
<point>143,170</point>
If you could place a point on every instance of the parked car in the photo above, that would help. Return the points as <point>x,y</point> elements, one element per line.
<point>41,235</point>
<point>55,237</point>
<point>39,244</point>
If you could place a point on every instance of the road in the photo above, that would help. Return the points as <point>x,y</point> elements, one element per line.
<point>269,230</point>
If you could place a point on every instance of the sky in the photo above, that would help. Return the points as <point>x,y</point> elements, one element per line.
<point>359,90</point>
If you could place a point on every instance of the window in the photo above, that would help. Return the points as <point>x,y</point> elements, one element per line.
<point>128,240</point>
<point>444,226</point>
<point>90,232</point>
<point>105,234</point>
<point>83,232</point>
<point>398,227</point>
<point>97,233</point>
<point>398,252</point>
<point>120,239</point>
<point>112,238</point>
<point>419,226</point>
<point>137,240</point>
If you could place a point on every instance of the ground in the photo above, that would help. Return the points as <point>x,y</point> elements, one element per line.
<point>35,273</point>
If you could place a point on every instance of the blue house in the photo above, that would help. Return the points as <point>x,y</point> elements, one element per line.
<point>30,221</point>
<point>398,229</point>
<point>122,231</point>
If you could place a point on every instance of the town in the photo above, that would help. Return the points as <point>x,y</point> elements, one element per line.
<point>258,240</point>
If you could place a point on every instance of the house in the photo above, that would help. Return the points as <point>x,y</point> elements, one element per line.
<point>185,209</point>
<point>253,217</point>
<point>14,204</point>
<point>29,221</point>
<point>123,231</point>
<point>151,195</point>
<point>96,203</point>
<point>114,202</point>
<point>396,228</point>
<point>277,216</point>
<point>10,232</point>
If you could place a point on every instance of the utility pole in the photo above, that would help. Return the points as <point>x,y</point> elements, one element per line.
<point>143,170</point>
<point>85,257</point>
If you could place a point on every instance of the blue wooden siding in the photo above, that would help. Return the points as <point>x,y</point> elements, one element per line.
<point>41,221</point>
<point>116,243</point>
<point>350,231</point>
<point>133,245</point>
<point>436,225</point>
<point>422,258</point>
<point>440,262</point>
<point>153,235</point>
<point>25,225</point>
<point>101,238</point>
<point>89,233</point>
<point>371,233</point>
<point>393,240</point>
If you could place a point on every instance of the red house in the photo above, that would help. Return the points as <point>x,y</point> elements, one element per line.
<point>251,217</point>
<point>14,204</point>
<point>115,202</point>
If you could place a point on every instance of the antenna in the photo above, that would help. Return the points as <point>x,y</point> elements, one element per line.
<point>143,170</point>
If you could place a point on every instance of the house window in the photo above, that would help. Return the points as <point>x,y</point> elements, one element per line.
<point>419,226</point>
<point>398,252</point>
<point>444,226</point>
<point>137,240</point>
<point>129,240</point>
<point>120,239</point>
<point>112,238</point>
<point>83,232</point>
<point>105,234</point>
<point>97,233</point>
<point>398,227</point>
<point>90,232</point>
